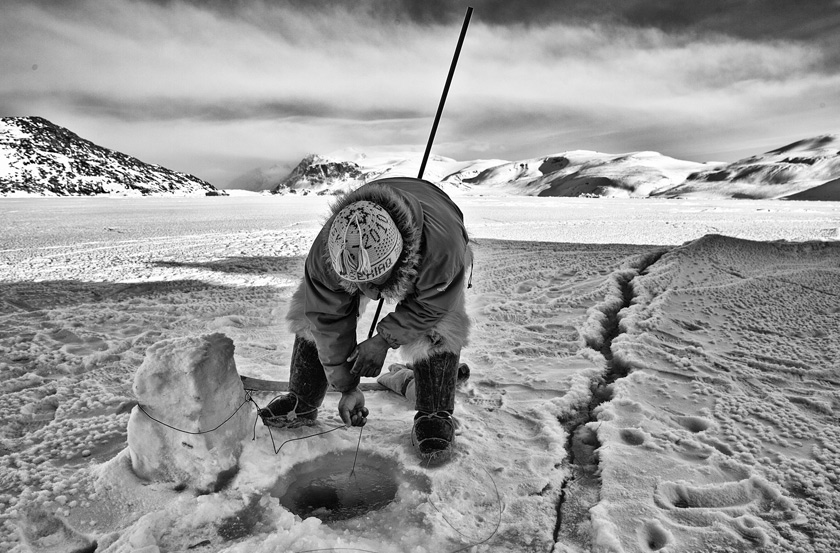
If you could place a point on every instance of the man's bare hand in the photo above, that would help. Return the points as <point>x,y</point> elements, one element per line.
<point>351,408</point>
<point>369,356</point>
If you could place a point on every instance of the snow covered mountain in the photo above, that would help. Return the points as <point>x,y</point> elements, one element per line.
<point>571,174</point>
<point>807,169</point>
<point>39,157</point>
<point>321,175</point>
<point>584,173</point>
<point>578,173</point>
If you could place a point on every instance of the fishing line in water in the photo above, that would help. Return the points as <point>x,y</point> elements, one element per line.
<point>471,543</point>
<point>249,399</point>
<point>358,445</point>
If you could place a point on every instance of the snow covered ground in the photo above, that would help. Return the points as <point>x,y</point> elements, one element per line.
<point>647,375</point>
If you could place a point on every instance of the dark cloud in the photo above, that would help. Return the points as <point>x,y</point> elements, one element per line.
<point>755,19</point>
<point>765,19</point>
<point>168,109</point>
<point>811,20</point>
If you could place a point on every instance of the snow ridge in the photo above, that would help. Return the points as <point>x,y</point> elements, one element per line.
<point>580,492</point>
<point>734,457</point>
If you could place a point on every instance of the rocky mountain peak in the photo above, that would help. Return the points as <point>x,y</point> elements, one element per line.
<point>321,175</point>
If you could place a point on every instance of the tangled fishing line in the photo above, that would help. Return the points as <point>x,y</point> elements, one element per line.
<point>249,399</point>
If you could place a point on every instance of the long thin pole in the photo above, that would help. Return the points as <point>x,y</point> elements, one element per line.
<point>376,317</point>
<point>434,128</point>
<point>445,91</point>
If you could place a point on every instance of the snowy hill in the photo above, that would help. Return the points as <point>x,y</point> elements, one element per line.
<point>801,170</point>
<point>586,173</point>
<point>571,174</point>
<point>38,157</point>
<point>383,163</point>
<point>806,167</point>
<point>347,169</point>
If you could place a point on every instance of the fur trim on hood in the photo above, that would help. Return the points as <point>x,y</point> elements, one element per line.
<point>404,273</point>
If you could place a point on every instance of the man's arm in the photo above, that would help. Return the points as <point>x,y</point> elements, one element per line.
<point>332,314</point>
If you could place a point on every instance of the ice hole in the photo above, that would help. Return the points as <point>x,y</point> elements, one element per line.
<point>325,488</point>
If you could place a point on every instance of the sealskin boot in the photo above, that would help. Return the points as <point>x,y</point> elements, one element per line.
<point>434,429</point>
<point>307,388</point>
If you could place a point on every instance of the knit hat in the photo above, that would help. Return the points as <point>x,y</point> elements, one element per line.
<point>364,242</point>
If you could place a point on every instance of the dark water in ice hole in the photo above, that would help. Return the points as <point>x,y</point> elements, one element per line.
<point>324,487</point>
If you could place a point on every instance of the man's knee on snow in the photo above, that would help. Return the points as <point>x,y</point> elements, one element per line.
<point>451,335</point>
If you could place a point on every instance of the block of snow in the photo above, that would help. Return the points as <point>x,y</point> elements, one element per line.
<point>190,384</point>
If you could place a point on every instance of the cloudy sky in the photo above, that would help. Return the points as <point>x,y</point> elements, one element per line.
<point>218,87</point>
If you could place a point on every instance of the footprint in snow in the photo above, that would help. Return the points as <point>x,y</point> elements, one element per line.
<point>747,509</point>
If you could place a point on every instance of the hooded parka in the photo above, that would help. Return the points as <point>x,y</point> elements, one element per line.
<point>427,282</point>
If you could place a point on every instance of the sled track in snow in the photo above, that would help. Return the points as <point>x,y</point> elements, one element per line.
<point>581,491</point>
